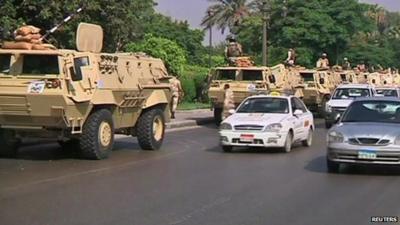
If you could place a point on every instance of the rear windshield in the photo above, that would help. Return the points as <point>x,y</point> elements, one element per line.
<point>387,92</point>
<point>252,75</point>
<point>5,60</point>
<point>265,105</point>
<point>226,75</point>
<point>307,77</point>
<point>350,93</point>
<point>40,65</point>
<point>373,111</point>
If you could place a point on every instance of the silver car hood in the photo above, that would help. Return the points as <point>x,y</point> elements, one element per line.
<point>369,130</point>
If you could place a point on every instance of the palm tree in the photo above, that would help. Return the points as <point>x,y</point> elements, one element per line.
<point>226,14</point>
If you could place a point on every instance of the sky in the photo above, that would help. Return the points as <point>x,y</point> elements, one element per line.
<point>193,11</point>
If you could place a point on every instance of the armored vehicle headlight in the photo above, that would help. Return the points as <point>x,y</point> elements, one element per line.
<point>275,127</point>
<point>225,126</point>
<point>335,137</point>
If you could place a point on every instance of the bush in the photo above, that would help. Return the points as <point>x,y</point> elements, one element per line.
<point>194,81</point>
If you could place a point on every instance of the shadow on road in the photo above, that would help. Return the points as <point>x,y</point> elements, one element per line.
<point>50,150</point>
<point>318,165</point>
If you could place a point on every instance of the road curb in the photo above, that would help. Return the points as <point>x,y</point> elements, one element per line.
<point>189,123</point>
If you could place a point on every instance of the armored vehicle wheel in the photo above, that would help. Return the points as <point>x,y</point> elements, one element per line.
<point>9,144</point>
<point>321,110</point>
<point>217,116</point>
<point>151,129</point>
<point>328,125</point>
<point>97,138</point>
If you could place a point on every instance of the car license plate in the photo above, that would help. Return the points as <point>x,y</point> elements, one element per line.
<point>248,138</point>
<point>367,154</point>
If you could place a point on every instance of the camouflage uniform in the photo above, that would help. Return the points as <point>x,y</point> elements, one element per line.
<point>228,102</point>
<point>233,50</point>
<point>176,94</point>
<point>323,62</point>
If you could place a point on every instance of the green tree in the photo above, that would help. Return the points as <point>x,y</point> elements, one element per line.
<point>180,32</point>
<point>169,51</point>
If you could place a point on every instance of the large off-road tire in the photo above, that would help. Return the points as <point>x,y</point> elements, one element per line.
<point>218,116</point>
<point>308,141</point>
<point>97,138</point>
<point>151,129</point>
<point>333,167</point>
<point>8,144</point>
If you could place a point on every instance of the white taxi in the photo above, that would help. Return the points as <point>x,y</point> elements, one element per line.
<point>268,121</point>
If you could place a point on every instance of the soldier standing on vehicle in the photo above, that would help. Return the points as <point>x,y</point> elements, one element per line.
<point>323,62</point>
<point>233,49</point>
<point>346,64</point>
<point>177,93</point>
<point>291,59</point>
<point>228,101</point>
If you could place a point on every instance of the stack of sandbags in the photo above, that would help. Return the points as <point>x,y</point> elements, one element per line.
<point>27,38</point>
<point>243,62</point>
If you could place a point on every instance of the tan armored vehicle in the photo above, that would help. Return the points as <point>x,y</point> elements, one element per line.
<point>316,88</point>
<point>82,98</point>
<point>243,81</point>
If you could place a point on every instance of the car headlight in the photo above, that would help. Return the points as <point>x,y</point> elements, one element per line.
<point>225,126</point>
<point>328,108</point>
<point>335,137</point>
<point>275,127</point>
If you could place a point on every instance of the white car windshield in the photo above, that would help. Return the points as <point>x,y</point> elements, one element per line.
<point>350,93</point>
<point>373,111</point>
<point>265,105</point>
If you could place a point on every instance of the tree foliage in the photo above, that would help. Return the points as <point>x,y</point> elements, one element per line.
<point>169,51</point>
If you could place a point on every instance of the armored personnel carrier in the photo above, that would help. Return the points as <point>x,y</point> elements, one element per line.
<point>316,88</point>
<point>82,98</point>
<point>243,81</point>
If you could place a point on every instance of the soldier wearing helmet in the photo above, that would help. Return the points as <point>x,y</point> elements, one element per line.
<point>323,62</point>
<point>346,64</point>
<point>233,48</point>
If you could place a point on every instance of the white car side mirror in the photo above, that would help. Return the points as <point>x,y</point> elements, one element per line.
<point>232,111</point>
<point>298,112</point>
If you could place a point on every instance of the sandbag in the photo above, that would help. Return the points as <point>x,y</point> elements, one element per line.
<point>39,47</point>
<point>25,30</point>
<point>28,38</point>
<point>17,45</point>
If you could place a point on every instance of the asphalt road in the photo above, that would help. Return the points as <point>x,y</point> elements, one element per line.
<point>190,181</point>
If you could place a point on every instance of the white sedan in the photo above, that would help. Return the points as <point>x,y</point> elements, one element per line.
<point>268,121</point>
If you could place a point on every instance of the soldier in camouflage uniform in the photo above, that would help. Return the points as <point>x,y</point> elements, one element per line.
<point>233,50</point>
<point>177,93</point>
<point>228,101</point>
<point>323,62</point>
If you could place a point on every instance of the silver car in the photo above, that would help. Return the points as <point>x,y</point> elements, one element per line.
<point>367,133</point>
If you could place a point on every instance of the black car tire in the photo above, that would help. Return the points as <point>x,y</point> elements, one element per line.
<point>333,167</point>
<point>148,138</point>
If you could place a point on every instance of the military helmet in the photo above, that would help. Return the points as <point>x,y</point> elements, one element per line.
<point>230,37</point>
